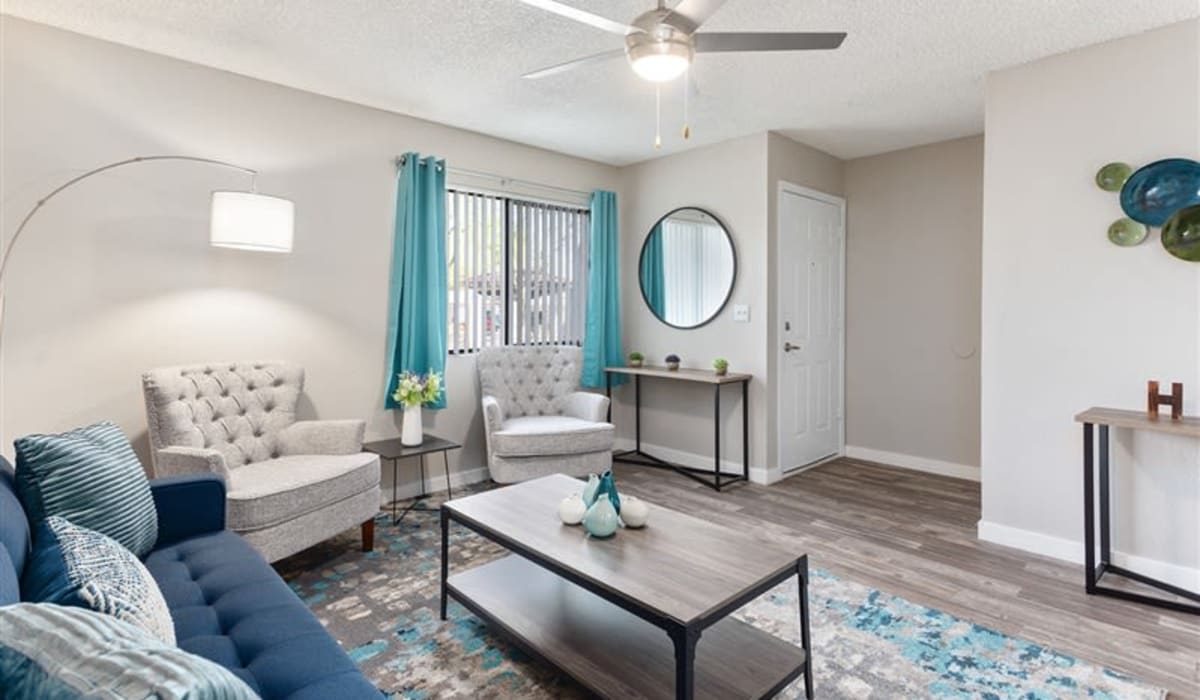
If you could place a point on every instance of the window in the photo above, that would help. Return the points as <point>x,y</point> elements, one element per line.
<point>517,272</point>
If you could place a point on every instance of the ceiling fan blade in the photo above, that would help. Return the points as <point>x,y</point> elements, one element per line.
<point>574,13</point>
<point>712,42</point>
<point>571,65</point>
<point>694,13</point>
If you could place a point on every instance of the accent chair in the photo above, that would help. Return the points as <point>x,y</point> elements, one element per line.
<point>536,419</point>
<point>289,484</point>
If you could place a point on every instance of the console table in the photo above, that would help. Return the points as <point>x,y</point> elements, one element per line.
<point>1104,418</point>
<point>713,379</point>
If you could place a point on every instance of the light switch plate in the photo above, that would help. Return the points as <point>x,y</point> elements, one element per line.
<point>741,313</point>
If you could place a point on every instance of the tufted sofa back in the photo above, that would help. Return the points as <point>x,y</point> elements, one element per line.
<point>237,408</point>
<point>530,380</point>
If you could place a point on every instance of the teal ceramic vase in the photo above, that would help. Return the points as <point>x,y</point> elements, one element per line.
<point>608,487</point>
<point>601,519</point>
<point>591,490</point>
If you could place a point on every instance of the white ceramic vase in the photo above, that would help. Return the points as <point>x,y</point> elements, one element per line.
<point>412,433</point>
<point>634,512</point>
<point>571,509</point>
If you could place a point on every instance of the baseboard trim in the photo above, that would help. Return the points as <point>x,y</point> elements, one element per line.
<point>920,464</point>
<point>690,459</point>
<point>1072,551</point>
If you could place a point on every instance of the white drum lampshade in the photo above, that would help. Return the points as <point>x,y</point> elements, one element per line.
<point>252,221</point>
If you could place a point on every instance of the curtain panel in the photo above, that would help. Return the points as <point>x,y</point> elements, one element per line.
<point>602,337</point>
<point>417,293</point>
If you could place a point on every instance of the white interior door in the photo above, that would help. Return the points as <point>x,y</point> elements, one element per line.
<point>811,265</point>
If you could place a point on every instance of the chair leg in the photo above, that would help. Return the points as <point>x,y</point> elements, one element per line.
<point>368,535</point>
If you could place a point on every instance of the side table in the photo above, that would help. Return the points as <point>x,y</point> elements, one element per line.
<point>394,451</point>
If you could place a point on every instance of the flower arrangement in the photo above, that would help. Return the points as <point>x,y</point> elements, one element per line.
<point>672,361</point>
<point>414,389</point>
<point>636,359</point>
<point>720,366</point>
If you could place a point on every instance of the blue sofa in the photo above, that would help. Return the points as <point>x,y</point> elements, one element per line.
<point>229,605</point>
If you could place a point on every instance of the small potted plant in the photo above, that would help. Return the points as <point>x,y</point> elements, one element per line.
<point>636,359</point>
<point>672,361</point>
<point>412,392</point>
<point>720,366</point>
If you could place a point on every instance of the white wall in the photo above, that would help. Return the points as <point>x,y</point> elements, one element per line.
<point>728,179</point>
<point>116,275</point>
<point>1071,321</point>
<point>912,305</point>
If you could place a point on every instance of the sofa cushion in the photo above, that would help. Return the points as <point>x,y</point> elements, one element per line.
<point>267,493</point>
<point>72,565</point>
<point>14,531</point>
<point>91,477</point>
<point>231,607</point>
<point>50,651</point>
<point>531,436</point>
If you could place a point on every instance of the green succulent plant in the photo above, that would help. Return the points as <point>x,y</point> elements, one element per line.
<point>636,356</point>
<point>720,364</point>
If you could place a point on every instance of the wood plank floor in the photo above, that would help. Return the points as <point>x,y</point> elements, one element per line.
<point>913,535</point>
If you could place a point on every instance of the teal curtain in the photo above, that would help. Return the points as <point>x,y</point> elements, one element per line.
<point>417,301</point>
<point>651,274</point>
<point>602,334</point>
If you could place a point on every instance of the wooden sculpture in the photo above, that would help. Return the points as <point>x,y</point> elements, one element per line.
<point>1155,399</point>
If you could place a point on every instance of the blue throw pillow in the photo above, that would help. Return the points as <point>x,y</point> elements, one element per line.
<point>49,652</point>
<point>91,477</point>
<point>71,565</point>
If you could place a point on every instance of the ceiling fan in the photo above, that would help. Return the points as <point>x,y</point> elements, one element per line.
<point>661,43</point>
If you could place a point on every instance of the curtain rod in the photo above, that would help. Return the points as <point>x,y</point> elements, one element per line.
<point>503,179</point>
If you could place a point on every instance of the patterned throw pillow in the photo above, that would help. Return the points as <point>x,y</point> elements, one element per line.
<point>71,565</point>
<point>49,652</point>
<point>91,477</point>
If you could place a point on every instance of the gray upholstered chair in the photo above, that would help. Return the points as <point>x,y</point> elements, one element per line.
<point>290,484</point>
<point>536,420</point>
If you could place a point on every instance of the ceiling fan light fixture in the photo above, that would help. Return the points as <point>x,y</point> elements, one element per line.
<point>659,61</point>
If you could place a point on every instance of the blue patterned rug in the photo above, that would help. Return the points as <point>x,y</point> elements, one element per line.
<point>383,607</point>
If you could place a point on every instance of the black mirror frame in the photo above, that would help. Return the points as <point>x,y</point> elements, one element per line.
<point>732,281</point>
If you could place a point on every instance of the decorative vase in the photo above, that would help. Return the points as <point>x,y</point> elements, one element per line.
<point>601,519</point>
<point>635,363</point>
<point>571,510</point>
<point>608,488</point>
<point>672,366</point>
<point>590,491</point>
<point>411,431</point>
<point>634,512</point>
<point>721,371</point>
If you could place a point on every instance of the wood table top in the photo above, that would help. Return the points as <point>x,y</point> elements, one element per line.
<point>392,448</point>
<point>1140,420</point>
<point>678,566</point>
<point>703,376</point>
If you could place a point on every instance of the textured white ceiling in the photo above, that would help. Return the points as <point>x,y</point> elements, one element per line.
<point>911,71</point>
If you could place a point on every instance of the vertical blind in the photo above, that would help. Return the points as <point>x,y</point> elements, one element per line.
<point>517,271</point>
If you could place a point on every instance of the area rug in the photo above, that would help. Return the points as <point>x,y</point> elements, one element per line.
<point>383,607</point>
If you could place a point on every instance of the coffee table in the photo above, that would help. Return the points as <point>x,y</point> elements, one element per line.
<point>643,614</point>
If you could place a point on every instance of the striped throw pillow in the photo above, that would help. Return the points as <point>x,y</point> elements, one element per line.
<point>54,652</point>
<point>91,477</point>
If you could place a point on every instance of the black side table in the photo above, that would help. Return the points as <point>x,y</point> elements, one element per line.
<point>392,449</point>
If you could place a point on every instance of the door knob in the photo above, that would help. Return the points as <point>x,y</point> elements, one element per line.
<point>788,347</point>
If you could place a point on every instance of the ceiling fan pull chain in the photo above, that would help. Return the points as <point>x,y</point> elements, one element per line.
<point>687,87</point>
<point>657,116</point>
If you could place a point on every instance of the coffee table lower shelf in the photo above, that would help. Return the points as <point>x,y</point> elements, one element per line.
<point>613,652</point>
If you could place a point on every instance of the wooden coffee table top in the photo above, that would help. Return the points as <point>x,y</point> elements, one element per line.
<point>678,566</point>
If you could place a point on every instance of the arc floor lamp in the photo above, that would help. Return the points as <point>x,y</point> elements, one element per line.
<point>243,220</point>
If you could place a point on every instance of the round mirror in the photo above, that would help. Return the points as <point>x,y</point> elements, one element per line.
<point>687,268</point>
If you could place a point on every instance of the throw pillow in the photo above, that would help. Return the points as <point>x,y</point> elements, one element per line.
<point>91,477</point>
<point>71,565</point>
<point>50,652</point>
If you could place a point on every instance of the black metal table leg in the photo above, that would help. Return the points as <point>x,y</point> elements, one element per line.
<point>805,639</point>
<point>446,463</point>
<point>717,435</point>
<point>1105,529</point>
<point>608,393</point>
<point>746,430</point>
<point>445,517</point>
<point>1089,514</point>
<point>395,478</point>
<point>637,412</point>
<point>685,661</point>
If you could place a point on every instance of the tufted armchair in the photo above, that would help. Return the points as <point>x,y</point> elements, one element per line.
<point>536,420</point>
<point>290,484</point>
